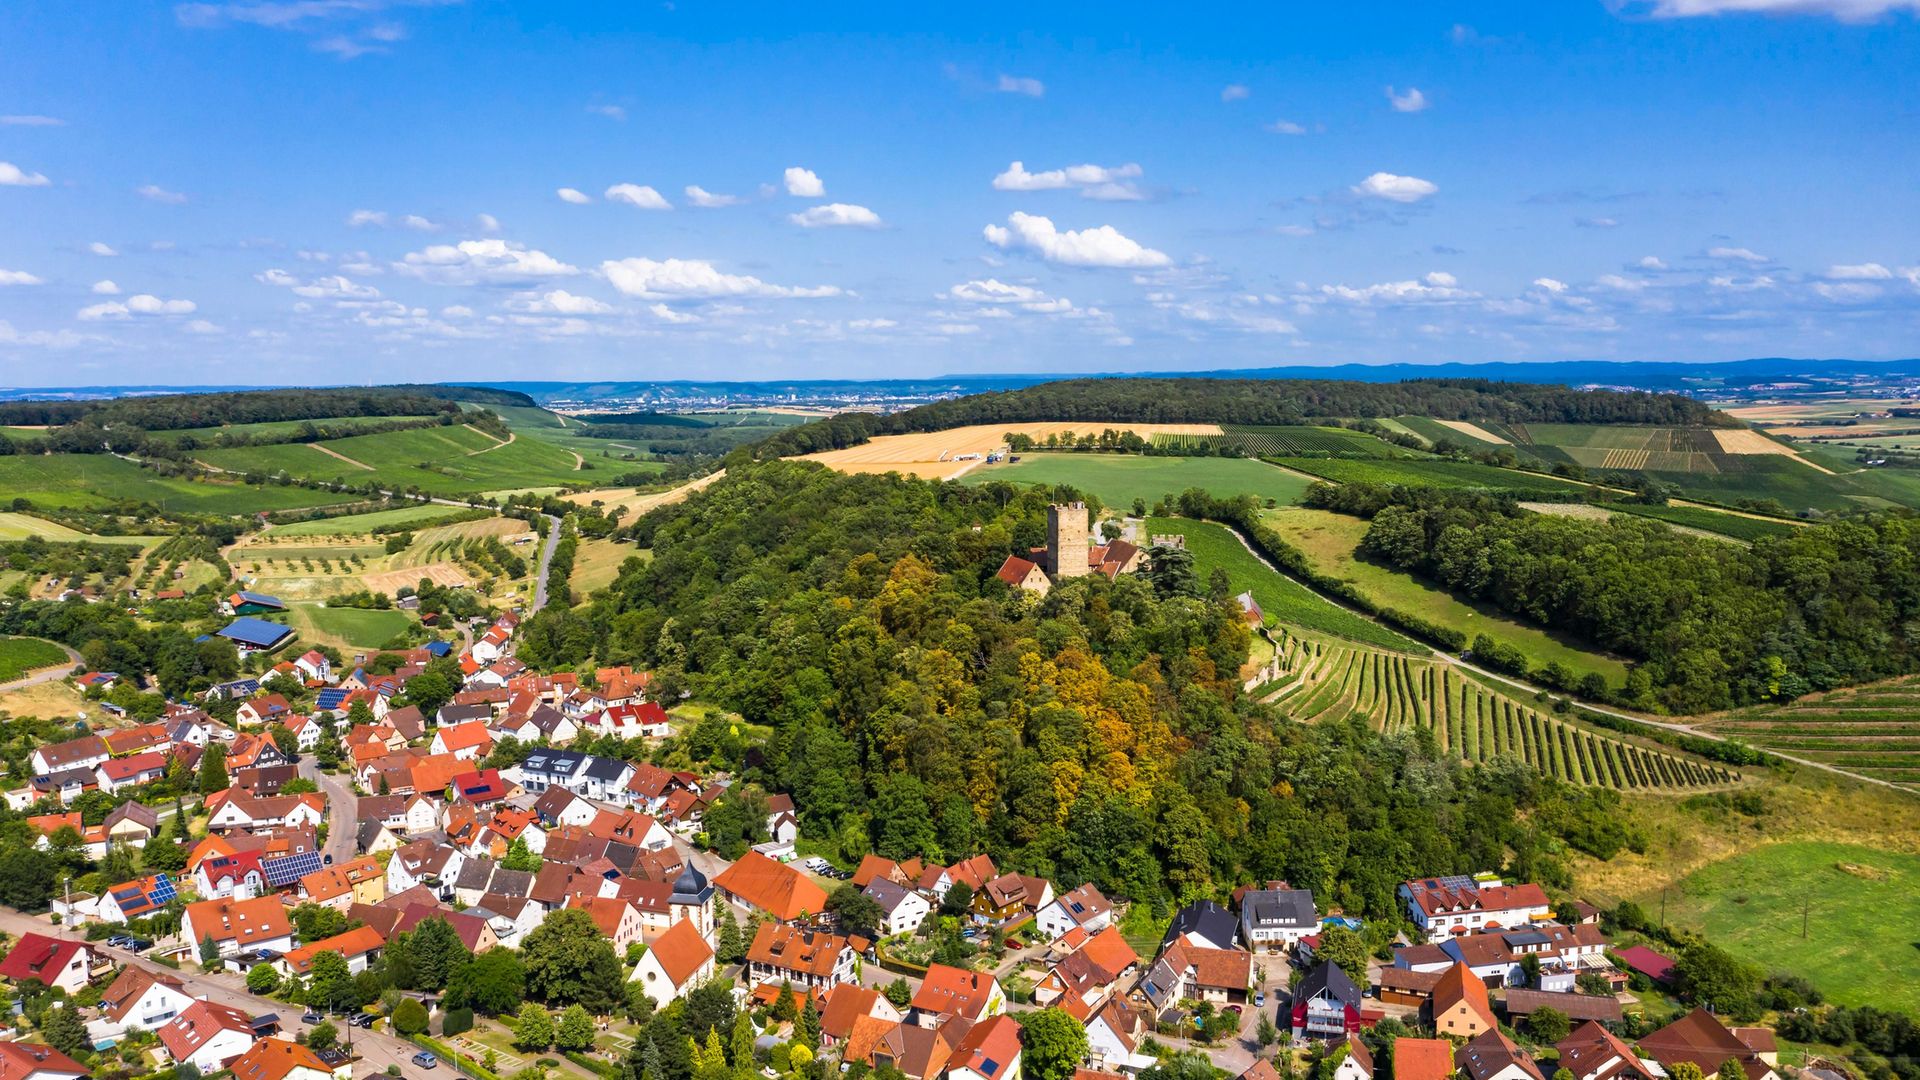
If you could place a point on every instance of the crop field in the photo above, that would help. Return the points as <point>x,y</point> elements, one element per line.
<point>1738,526</point>
<point>350,628</point>
<point>365,523</point>
<point>1396,692</point>
<point>1871,730</point>
<point>313,567</point>
<point>944,455</point>
<point>282,428</point>
<point>1258,441</point>
<point>1456,475</point>
<point>1118,479</point>
<point>597,562</point>
<point>15,526</point>
<point>444,460</point>
<point>19,655</point>
<point>1282,599</point>
<point>84,481</point>
<point>1824,910</point>
<point>1331,541</point>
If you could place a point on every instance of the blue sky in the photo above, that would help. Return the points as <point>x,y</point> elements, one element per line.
<point>373,190</point>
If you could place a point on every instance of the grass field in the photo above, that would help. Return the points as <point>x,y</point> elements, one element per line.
<point>1118,479</point>
<point>1456,475</point>
<point>1468,718</point>
<point>1282,599</point>
<point>444,460</point>
<point>281,428</point>
<point>1858,904</point>
<point>363,523</point>
<point>598,562</point>
<point>19,655</point>
<point>96,480</point>
<point>1713,521</point>
<point>1871,730</point>
<point>1330,541</point>
<point>351,628</point>
<point>1278,440</point>
<point>45,700</point>
<point>15,526</point>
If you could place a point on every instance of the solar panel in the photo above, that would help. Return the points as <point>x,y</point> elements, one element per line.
<point>286,871</point>
<point>163,891</point>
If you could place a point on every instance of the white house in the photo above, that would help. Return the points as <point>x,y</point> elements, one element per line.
<point>423,861</point>
<point>1083,908</point>
<point>60,964</point>
<point>902,909</point>
<point>247,813</point>
<point>306,732</point>
<point>139,1000</point>
<point>314,665</point>
<point>86,752</point>
<point>207,1036</point>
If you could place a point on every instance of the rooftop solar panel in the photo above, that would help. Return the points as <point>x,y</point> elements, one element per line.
<point>286,871</point>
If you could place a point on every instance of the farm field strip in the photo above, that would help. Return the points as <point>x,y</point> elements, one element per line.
<point>1454,475</point>
<point>932,454</point>
<point>1395,692</point>
<point>1873,730</point>
<point>1117,479</point>
<point>1281,440</point>
<point>77,481</point>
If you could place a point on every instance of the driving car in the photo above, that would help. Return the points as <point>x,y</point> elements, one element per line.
<point>425,1060</point>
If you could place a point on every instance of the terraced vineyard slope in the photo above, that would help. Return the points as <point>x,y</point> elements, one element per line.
<point>1320,680</point>
<point>1871,730</point>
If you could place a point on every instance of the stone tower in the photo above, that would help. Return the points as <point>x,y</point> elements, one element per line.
<point>1067,540</point>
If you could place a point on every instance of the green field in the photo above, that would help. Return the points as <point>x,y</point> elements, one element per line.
<point>352,628</point>
<point>14,526</point>
<point>362,523</point>
<point>1394,692</point>
<point>85,481</point>
<point>19,655</point>
<point>443,460</point>
<point>1118,479</point>
<point>1456,475</point>
<point>1258,441</point>
<point>1281,598</point>
<point>275,429</point>
<point>1871,730</point>
<point>1330,541</point>
<point>1857,905</point>
<point>1694,517</point>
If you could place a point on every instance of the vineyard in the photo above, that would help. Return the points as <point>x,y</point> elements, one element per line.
<point>1454,475</point>
<point>1274,441</point>
<point>1396,692</point>
<point>1868,730</point>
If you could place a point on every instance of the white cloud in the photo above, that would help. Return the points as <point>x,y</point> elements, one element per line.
<point>700,196</point>
<point>143,304</point>
<point>611,112</point>
<point>1651,262</point>
<point>18,277</point>
<point>574,196</point>
<point>562,302</point>
<point>99,248</point>
<point>836,215</point>
<point>1847,292</point>
<point>1434,287</point>
<point>12,175</point>
<point>156,193</point>
<point>325,287</point>
<point>202,326</point>
<point>487,222</point>
<point>1843,10</point>
<point>483,262</point>
<point>418,223</point>
<point>362,218</point>
<point>1621,284</point>
<point>667,314</point>
<point>639,195</point>
<point>456,311</point>
<point>1401,189</point>
<point>994,291</point>
<point>871,324</point>
<point>669,279</point>
<point>1736,254</point>
<point>105,287</point>
<point>803,183</point>
<point>1597,222</point>
<point>1235,92</point>
<point>1107,183</point>
<point>1016,84</point>
<point>1286,127</point>
<point>1411,101</point>
<point>1101,246</point>
<point>30,120</point>
<point>1860,272</point>
<point>1552,285</point>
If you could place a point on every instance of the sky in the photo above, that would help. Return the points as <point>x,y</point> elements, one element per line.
<point>313,192</point>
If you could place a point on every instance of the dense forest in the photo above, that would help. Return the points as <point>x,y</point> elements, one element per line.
<point>171,412</point>
<point>1256,401</point>
<point>1711,624</point>
<point>919,706</point>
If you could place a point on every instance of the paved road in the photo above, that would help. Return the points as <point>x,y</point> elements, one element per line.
<point>343,809</point>
<point>45,676</point>
<point>376,1051</point>
<point>546,560</point>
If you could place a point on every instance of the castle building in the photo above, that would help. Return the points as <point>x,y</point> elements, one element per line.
<point>1061,558</point>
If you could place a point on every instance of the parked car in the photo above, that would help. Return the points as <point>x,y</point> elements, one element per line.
<point>1259,998</point>
<point>426,1060</point>
<point>120,941</point>
<point>311,1018</point>
<point>361,1020</point>
<point>139,945</point>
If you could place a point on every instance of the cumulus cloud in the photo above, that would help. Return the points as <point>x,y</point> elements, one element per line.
<point>1435,287</point>
<point>362,218</point>
<point>31,120</point>
<point>803,183</point>
<point>997,293</point>
<point>325,287</point>
<point>12,175</point>
<point>1235,92</point>
<point>482,262</point>
<point>1651,262</point>
<point>1400,189</point>
<point>639,195</point>
<point>1110,183</point>
<point>1552,285</point>
<point>1859,272</point>
<point>156,193</point>
<point>105,287</point>
<point>1016,84</point>
<point>672,279</point>
<point>836,215</point>
<point>668,315</point>
<point>101,249</point>
<point>1101,246</point>
<point>574,196</point>
<point>1286,127</point>
<point>700,196</point>
<point>562,302</point>
<point>487,222</point>
<point>144,304</point>
<point>380,219</point>
<point>1411,101</point>
<point>1843,10</point>
<point>18,277</point>
<point>1736,254</point>
<point>202,326</point>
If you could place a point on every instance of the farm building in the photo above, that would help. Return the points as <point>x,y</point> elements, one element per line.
<point>255,635</point>
<point>253,603</point>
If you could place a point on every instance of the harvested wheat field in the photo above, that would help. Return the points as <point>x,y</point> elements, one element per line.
<point>1473,430</point>
<point>635,503</point>
<point>941,455</point>
<point>392,581</point>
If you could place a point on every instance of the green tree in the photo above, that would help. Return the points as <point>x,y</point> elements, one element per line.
<point>1055,1044</point>
<point>899,993</point>
<point>520,856</point>
<point>784,1007</point>
<point>575,1031</point>
<point>1548,1025</point>
<point>1708,975</point>
<point>262,980</point>
<point>63,1030</point>
<point>710,1059</point>
<point>1265,1033</point>
<point>213,769</point>
<point>436,950</point>
<point>1188,1065</point>
<point>1685,1070</point>
<point>568,960</point>
<point>410,1017</point>
<point>1730,1070</point>
<point>730,947</point>
<point>858,913</point>
<point>806,1027</point>
<point>533,1028</point>
<point>1346,948</point>
<point>740,1044</point>
<point>958,899</point>
<point>494,982</point>
<point>209,951</point>
<point>323,1036</point>
<point>330,984</point>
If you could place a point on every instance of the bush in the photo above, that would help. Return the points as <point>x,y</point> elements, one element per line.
<point>410,1017</point>
<point>456,1021</point>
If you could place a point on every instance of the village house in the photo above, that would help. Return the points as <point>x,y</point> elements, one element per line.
<point>34,1061</point>
<point>1193,971</point>
<point>466,741</point>
<point>947,991</point>
<point>238,876</point>
<point>265,709</point>
<point>848,1004</point>
<point>86,752</point>
<point>1082,908</point>
<point>238,926</point>
<point>974,873</point>
<point>1277,918</point>
<point>1011,897</point>
<point>1089,968</point>
<point>132,824</point>
<point>755,881</point>
<point>424,862</point>
<point>902,910</point>
<point>58,963</point>
<point>207,1036</point>
<point>1454,905</point>
<point>1459,1007</point>
<point>1423,1059</point>
<point>809,959</point>
<point>340,886</point>
<point>1579,1008</point>
<point>988,1051</point>
<point>1499,957</point>
<point>1203,923</point>
<point>1592,1052</point>
<point>128,772</point>
<point>1326,1005</point>
<point>136,739</point>
<point>674,963</point>
<point>314,666</point>
<point>1115,1034</point>
<point>1356,1063</point>
<point>360,947</point>
<point>139,1000</point>
<point>241,812</point>
<point>414,814</point>
<point>279,1059</point>
<point>558,807</point>
<point>136,899</point>
<point>618,921</point>
<point>1700,1038</point>
<point>1490,1055</point>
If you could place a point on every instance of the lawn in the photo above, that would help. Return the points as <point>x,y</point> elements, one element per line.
<point>94,480</point>
<point>1281,598</point>
<point>1455,475</point>
<point>353,628</point>
<point>1118,479</point>
<point>19,655</point>
<point>1858,905</point>
<point>1330,540</point>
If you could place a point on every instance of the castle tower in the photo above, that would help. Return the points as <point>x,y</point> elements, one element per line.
<point>1067,540</point>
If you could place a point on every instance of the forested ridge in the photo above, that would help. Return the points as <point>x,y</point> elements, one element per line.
<point>171,412</point>
<point>919,706</point>
<point>1256,401</point>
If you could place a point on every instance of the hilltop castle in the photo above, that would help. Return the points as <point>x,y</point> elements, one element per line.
<point>1060,558</point>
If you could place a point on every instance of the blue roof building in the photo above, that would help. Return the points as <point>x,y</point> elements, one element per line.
<point>255,635</point>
